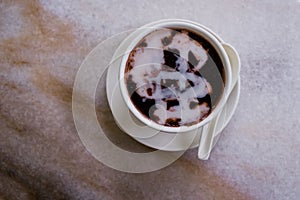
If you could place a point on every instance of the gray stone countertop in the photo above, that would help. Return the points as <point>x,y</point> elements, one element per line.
<point>43,43</point>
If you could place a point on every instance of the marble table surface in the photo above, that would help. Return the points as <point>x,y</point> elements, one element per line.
<point>42,45</point>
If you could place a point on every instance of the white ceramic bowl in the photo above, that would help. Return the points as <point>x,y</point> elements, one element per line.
<point>217,45</point>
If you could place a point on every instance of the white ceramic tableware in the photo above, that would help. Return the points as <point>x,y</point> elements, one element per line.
<point>157,136</point>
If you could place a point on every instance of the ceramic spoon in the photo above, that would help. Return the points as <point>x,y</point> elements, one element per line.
<point>207,135</point>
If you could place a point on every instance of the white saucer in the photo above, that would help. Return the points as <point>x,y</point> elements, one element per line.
<point>144,134</point>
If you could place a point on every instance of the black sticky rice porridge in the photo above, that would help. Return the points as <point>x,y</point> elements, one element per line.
<point>174,77</point>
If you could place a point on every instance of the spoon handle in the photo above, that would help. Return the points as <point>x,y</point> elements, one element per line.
<point>206,140</point>
<point>208,130</point>
<point>234,62</point>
